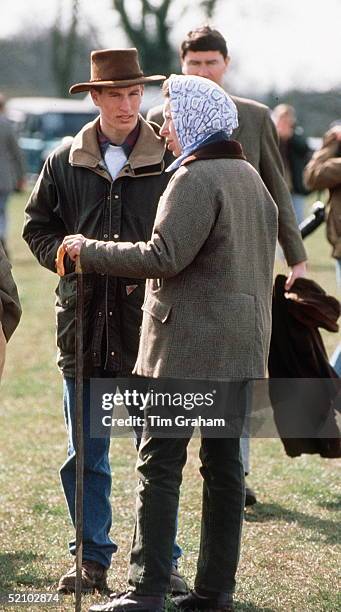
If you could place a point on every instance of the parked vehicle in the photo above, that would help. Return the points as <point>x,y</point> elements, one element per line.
<point>43,123</point>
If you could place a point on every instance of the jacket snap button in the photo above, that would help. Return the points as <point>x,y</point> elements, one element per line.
<point>105,236</point>
<point>112,353</point>
<point>116,196</point>
<point>116,236</point>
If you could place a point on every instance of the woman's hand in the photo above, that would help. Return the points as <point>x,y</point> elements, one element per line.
<point>297,271</point>
<point>73,245</point>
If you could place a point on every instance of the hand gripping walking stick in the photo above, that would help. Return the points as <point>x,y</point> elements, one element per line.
<point>78,422</point>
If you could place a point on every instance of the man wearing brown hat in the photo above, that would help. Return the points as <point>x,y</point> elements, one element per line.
<point>105,184</point>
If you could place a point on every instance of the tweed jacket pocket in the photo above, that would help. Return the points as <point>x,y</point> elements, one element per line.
<point>156,337</point>
<point>157,309</point>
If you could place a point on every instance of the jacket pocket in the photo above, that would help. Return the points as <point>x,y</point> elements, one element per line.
<point>157,309</point>
<point>65,313</point>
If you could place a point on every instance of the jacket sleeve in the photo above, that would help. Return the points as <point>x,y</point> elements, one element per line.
<point>185,216</point>
<point>324,169</point>
<point>271,171</point>
<point>43,229</point>
<point>10,309</point>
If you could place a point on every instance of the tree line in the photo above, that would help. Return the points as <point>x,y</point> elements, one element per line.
<point>49,61</point>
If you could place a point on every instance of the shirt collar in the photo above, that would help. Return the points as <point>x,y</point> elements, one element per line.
<point>127,145</point>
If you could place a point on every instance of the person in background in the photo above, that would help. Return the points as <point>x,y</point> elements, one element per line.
<point>12,170</point>
<point>10,309</point>
<point>204,53</point>
<point>295,153</point>
<point>324,172</point>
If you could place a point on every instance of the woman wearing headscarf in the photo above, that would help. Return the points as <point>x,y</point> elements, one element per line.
<point>207,315</point>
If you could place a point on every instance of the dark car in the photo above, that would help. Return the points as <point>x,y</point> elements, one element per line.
<point>43,123</point>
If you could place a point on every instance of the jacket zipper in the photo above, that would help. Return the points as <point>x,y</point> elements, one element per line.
<point>107,287</point>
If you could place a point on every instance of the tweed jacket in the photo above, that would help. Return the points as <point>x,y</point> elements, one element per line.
<point>207,309</point>
<point>324,172</point>
<point>257,135</point>
<point>75,194</point>
<point>11,158</point>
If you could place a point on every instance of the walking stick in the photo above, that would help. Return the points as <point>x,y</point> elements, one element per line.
<point>79,435</point>
<point>78,423</point>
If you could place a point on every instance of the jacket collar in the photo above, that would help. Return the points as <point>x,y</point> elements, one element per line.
<point>230,149</point>
<point>147,153</point>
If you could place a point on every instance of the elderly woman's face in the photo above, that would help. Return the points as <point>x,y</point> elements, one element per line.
<point>168,131</point>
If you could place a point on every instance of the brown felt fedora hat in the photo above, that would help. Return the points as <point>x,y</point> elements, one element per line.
<point>115,68</point>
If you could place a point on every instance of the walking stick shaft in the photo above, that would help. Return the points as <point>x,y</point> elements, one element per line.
<point>79,437</point>
<point>78,421</point>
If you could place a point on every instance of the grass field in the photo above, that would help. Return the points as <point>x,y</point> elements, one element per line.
<point>290,556</point>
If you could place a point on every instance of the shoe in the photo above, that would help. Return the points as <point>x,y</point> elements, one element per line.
<point>250,497</point>
<point>213,603</point>
<point>130,602</point>
<point>177,584</point>
<point>94,578</point>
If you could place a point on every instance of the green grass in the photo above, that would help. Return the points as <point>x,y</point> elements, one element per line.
<point>290,551</point>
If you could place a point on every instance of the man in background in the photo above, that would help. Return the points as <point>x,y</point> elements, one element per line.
<point>204,53</point>
<point>12,170</point>
<point>295,153</point>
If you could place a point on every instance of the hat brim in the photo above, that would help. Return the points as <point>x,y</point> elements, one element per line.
<point>127,83</point>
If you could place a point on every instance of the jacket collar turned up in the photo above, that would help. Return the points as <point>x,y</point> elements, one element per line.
<point>146,157</point>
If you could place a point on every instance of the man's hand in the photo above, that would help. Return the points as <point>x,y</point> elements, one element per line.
<point>297,271</point>
<point>73,245</point>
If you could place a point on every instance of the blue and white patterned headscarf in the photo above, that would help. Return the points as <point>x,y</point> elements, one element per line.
<point>200,108</point>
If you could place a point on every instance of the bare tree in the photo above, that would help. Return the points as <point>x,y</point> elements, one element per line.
<point>151,34</point>
<point>209,7</point>
<point>63,52</point>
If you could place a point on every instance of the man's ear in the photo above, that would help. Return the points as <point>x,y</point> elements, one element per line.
<point>227,62</point>
<point>94,96</point>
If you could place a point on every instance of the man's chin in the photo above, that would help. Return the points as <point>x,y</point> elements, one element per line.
<point>127,124</point>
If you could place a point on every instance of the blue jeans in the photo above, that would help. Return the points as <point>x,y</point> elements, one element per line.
<point>335,360</point>
<point>338,274</point>
<point>97,516</point>
<point>3,220</point>
<point>298,201</point>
